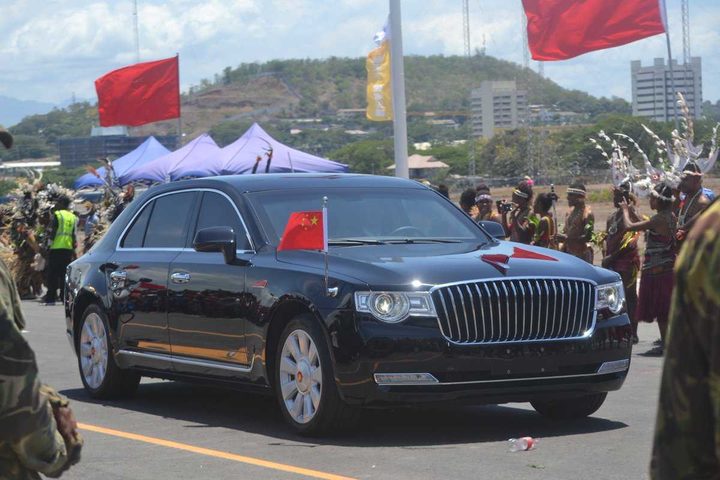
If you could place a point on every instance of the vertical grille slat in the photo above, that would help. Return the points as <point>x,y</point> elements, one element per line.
<point>515,310</point>
<point>482,311</point>
<point>472,305</point>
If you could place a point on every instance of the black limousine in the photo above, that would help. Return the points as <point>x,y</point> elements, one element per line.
<point>414,302</point>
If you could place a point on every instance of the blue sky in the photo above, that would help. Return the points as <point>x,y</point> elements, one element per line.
<point>54,48</point>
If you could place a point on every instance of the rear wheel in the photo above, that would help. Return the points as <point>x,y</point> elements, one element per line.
<point>304,380</point>
<point>570,408</point>
<point>101,376</point>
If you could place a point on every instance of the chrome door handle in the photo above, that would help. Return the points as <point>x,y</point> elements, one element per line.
<point>118,276</point>
<point>118,279</point>
<point>180,277</point>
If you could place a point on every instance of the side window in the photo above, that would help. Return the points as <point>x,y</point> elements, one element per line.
<point>167,225</point>
<point>216,211</point>
<point>134,237</point>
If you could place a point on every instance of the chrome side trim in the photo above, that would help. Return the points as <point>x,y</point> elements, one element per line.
<point>471,382</point>
<point>164,357</point>
<point>429,379</point>
<point>118,248</point>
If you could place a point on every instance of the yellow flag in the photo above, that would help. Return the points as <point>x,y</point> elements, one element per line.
<point>379,87</point>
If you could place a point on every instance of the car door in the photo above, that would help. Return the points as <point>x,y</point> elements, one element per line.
<point>138,273</point>
<point>206,313</point>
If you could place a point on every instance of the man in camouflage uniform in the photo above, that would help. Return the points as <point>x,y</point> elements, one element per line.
<point>38,432</point>
<point>687,432</point>
<point>28,280</point>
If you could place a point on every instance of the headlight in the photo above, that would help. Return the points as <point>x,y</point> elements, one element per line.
<point>393,307</point>
<point>611,296</point>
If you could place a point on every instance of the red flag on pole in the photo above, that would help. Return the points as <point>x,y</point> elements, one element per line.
<point>139,94</point>
<point>305,231</point>
<point>562,29</point>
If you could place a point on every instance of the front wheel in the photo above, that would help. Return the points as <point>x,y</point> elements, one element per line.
<point>570,408</point>
<point>304,380</point>
<point>100,375</point>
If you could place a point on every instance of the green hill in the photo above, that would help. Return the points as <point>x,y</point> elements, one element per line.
<point>300,88</point>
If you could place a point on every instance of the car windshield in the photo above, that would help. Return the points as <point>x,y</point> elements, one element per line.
<point>371,215</point>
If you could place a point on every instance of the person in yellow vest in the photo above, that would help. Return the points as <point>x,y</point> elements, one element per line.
<point>63,243</point>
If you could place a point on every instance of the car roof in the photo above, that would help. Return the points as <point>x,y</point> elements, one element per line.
<point>283,181</point>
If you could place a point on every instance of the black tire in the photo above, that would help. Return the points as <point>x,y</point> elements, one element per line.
<point>114,382</point>
<point>570,408</point>
<point>331,414</point>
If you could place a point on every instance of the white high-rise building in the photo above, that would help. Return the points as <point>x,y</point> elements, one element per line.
<point>497,105</point>
<point>652,91</point>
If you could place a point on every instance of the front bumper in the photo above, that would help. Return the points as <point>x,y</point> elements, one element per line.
<point>498,373</point>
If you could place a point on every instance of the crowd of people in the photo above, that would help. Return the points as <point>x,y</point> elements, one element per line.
<point>674,212</point>
<point>44,229</point>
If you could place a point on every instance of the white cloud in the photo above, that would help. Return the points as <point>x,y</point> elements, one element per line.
<point>51,48</point>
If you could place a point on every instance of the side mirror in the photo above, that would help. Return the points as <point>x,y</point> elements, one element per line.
<point>217,239</point>
<point>494,229</point>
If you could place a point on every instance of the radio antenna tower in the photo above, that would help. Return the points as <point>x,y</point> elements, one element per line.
<point>686,32</point>
<point>468,57</point>
<point>136,31</point>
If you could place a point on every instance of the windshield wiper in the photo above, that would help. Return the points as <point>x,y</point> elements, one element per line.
<point>421,240</point>
<point>354,241</point>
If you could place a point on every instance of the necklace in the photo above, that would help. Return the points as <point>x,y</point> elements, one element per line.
<point>683,215</point>
<point>613,228</point>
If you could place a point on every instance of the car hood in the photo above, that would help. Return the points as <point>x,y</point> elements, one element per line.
<point>386,266</point>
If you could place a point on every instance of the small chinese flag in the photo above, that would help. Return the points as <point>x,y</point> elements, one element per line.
<point>139,94</point>
<point>305,231</point>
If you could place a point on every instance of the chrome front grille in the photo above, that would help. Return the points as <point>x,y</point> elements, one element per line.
<point>515,310</point>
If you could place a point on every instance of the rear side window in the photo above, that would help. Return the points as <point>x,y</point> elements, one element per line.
<point>135,236</point>
<point>167,227</point>
<point>217,211</point>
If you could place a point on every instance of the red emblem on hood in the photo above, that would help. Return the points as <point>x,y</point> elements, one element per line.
<point>497,260</point>
<point>500,261</point>
<point>522,253</point>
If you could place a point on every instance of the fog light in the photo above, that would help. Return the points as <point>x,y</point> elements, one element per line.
<point>404,378</point>
<point>616,366</point>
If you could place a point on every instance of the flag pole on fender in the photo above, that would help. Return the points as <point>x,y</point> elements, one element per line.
<point>330,292</point>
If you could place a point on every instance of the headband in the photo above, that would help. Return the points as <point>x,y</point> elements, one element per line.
<point>483,196</point>
<point>662,197</point>
<point>576,191</point>
<point>520,194</point>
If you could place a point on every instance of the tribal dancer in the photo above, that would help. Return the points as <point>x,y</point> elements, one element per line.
<point>656,281</point>
<point>620,253</point>
<point>484,203</point>
<point>579,225</point>
<point>518,224</point>
<point>546,230</point>
<point>695,201</point>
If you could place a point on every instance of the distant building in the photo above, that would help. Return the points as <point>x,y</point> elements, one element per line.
<point>104,131</point>
<point>652,91</point>
<point>497,105</point>
<point>76,152</point>
<point>423,166</point>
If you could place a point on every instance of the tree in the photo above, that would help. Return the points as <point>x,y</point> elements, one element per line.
<point>366,156</point>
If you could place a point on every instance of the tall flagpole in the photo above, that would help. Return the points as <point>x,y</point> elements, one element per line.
<point>672,71</point>
<point>398,91</point>
<point>179,124</point>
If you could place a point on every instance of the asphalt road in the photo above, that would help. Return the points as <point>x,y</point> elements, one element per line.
<point>173,430</point>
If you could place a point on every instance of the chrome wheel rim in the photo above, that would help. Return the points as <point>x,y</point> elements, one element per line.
<point>93,350</point>
<point>300,376</point>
